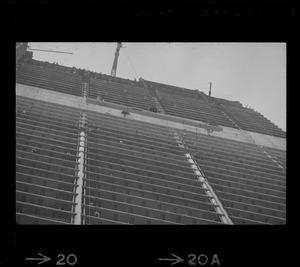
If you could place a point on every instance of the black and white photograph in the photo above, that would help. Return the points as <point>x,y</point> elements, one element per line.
<point>150,133</point>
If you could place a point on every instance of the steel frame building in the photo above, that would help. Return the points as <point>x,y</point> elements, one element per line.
<point>90,151</point>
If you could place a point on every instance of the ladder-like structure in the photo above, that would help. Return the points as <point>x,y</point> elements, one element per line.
<point>82,156</point>
<point>193,164</point>
<point>202,179</point>
<point>154,96</point>
<point>80,165</point>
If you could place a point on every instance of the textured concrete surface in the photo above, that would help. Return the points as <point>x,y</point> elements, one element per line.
<point>147,116</point>
<point>50,96</point>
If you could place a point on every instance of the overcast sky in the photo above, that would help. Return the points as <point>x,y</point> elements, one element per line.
<point>252,73</point>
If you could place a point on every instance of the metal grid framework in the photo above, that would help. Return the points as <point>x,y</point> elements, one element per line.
<point>119,93</point>
<point>250,185</point>
<point>134,172</point>
<point>46,142</point>
<point>174,100</point>
<point>47,78</point>
<point>253,121</point>
<point>195,105</point>
<point>192,108</point>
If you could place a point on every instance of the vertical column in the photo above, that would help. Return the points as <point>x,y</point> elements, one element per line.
<point>229,118</point>
<point>85,84</point>
<point>158,105</point>
<point>154,95</point>
<point>204,183</point>
<point>208,190</point>
<point>84,89</point>
<point>80,168</point>
<point>274,159</point>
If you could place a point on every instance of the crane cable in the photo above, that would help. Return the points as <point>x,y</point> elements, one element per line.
<point>137,76</point>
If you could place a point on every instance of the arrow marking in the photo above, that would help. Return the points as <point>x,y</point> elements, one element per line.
<point>177,260</point>
<point>43,260</point>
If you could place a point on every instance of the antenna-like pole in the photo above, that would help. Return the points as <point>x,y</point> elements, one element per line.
<point>210,88</point>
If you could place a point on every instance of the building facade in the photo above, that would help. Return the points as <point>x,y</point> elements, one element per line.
<point>90,150</point>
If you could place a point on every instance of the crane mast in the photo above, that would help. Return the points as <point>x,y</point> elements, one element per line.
<point>114,67</point>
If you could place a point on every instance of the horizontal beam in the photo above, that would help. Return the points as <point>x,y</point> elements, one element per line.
<point>52,51</point>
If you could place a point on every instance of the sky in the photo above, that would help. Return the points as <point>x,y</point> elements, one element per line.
<point>251,73</point>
